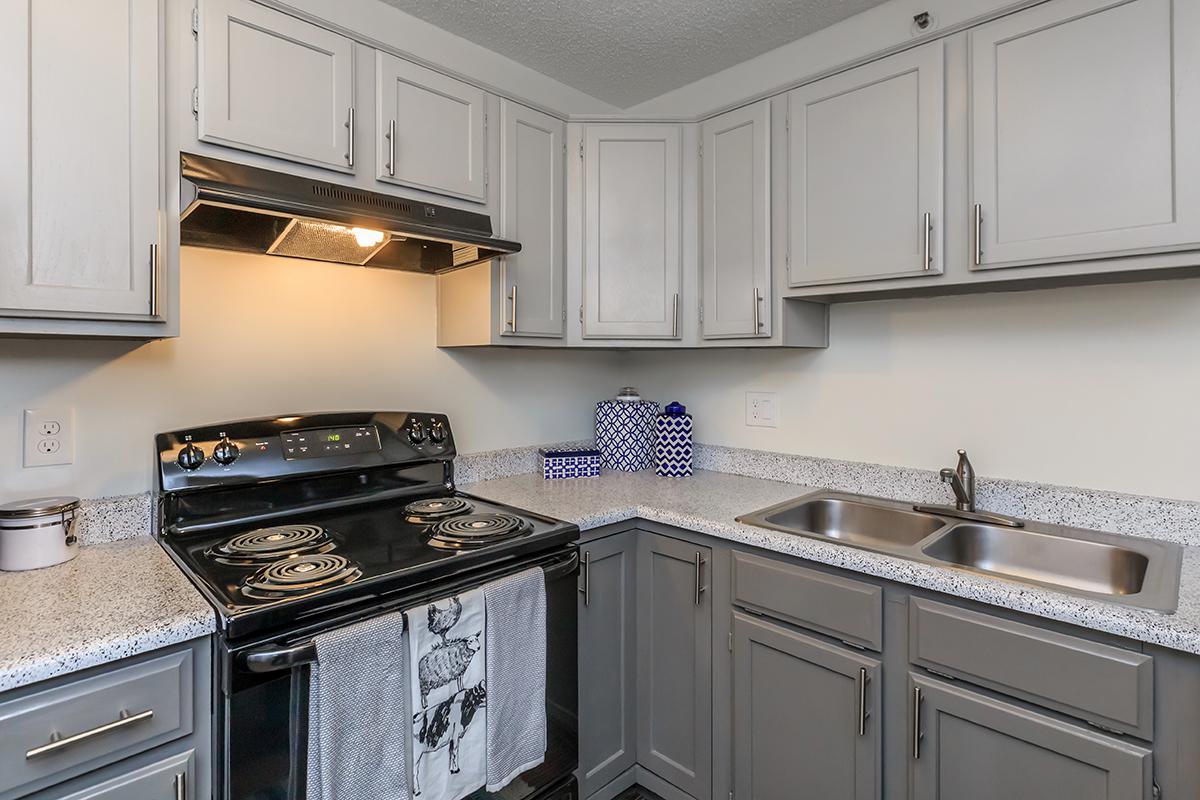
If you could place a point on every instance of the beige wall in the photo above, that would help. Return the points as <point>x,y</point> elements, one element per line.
<point>1095,387</point>
<point>264,335</point>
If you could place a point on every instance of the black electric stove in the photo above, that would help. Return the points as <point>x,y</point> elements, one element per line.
<point>295,525</point>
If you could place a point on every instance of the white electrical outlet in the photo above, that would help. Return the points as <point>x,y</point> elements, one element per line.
<point>49,436</point>
<point>762,409</point>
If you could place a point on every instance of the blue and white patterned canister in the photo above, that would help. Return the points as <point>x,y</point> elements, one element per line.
<point>673,442</point>
<point>625,432</point>
<point>570,462</point>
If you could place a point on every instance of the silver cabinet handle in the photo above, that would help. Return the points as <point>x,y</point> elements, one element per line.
<point>350,140</point>
<point>978,234</point>
<point>512,302</point>
<point>391,137</point>
<point>757,315</point>
<point>181,786</point>
<point>675,316</point>
<point>58,743</point>
<point>154,279</point>
<point>926,232</point>
<point>586,591</point>
<point>700,587</point>
<point>862,701</point>
<point>916,721</point>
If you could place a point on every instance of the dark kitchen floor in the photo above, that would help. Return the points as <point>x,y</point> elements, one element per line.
<point>638,793</point>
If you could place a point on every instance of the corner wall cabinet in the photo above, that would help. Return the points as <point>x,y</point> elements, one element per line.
<point>865,162</point>
<point>1083,131</point>
<point>274,84</point>
<point>432,130</point>
<point>80,220</point>
<point>735,161</point>
<point>632,257</point>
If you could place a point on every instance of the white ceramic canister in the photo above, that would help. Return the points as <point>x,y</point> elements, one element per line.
<point>38,533</point>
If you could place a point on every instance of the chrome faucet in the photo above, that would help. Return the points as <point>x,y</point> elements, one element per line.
<point>962,481</point>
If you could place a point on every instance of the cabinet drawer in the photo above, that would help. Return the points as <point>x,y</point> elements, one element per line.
<point>846,609</point>
<point>168,778</point>
<point>75,727</point>
<point>1108,686</point>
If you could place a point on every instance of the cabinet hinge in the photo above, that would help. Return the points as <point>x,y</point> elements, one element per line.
<point>731,650</point>
<point>702,149</point>
<point>787,122</point>
<point>731,796</point>
<point>564,313</point>
<point>1155,791</point>
<point>196,100</point>
<point>485,120</point>
<point>196,21</point>
<point>486,177</point>
<point>702,318</point>
<point>581,314</point>
<point>581,149</point>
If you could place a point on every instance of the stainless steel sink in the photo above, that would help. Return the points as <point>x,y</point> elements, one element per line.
<point>1121,569</point>
<point>1086,562</point>
<point>872,524</point>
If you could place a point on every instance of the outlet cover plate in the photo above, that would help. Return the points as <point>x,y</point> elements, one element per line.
<point>49,437</point>
<point>762,409</point>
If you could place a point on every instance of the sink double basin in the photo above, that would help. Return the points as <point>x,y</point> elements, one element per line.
<point>1122,569</point>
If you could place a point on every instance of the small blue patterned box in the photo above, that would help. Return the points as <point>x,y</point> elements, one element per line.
<point>570,462</point>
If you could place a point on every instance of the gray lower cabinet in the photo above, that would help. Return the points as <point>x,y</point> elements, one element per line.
<point>805,716</point>
<point>607,660</point>
<point>970,746</point>
<point>166,779</point>
<point>674,688</point>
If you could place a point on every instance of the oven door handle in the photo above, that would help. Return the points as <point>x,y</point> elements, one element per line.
<point>273,659</point>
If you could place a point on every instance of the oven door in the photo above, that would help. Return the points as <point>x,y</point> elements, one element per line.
<point>262,716</point>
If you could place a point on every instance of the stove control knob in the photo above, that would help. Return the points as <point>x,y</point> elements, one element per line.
<point>226,452</point>
<point>417,433</point>
<point>191,456</point>
<point>437,432</point>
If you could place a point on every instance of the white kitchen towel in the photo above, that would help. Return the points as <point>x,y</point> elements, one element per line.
<point>357,723</point>
<point>516,675</point>
<point>448,696</point>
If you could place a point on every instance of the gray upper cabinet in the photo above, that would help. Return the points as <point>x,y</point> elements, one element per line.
<point>632,256</point>
<point>865,171</point>
<point>973,746</point>
<point>274,84</point>
<point>1083,131</point>
<point>432,130</point>
<point>80,159</point>
<point>531,212</point>
<point>735,160</point>
<point>805,714</point>
<point>674,694</point>
<point>607,660</point>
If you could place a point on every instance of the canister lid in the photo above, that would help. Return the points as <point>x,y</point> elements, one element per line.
<point>38,507</point>
<point>628,394</point>
<point>675,409</point>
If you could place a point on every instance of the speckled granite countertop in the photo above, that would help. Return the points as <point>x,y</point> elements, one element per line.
<point>708,502</point>
<point>113,600</point>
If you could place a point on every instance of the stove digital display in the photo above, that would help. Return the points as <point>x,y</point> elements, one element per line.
<point>325,442</point>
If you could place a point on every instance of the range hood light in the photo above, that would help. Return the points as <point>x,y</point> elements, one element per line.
<point>367,237</point>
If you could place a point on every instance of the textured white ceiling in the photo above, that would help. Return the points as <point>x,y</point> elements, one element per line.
<point>628,51</point>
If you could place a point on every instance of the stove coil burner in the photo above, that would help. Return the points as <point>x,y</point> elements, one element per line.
<point>270,544</point>
<point>477,530</point>
<point>435,508</point>
<point>299,575</point>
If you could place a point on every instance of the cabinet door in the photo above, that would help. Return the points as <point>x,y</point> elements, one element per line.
<point>531,213</point>
<point>274,84</point>
<point>632,224</point>
<point>674,693</point>
<point>805,716</point>
<point>607,660</point>
<point>433,130</point>
<point>865,161</point>
<point>1084,120</point>
<point>167,779</point>
<point>735,158</point>
<point>973,746</point>
<point>80,157</point>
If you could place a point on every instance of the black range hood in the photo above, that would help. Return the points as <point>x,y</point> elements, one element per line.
<point>236,207</point>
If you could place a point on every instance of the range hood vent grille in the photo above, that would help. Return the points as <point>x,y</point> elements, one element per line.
<point>237,207</point>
